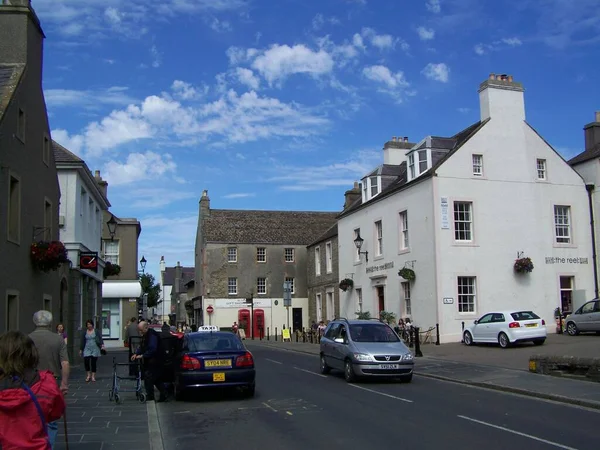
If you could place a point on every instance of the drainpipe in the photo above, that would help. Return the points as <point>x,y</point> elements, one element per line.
<point>590,190</point>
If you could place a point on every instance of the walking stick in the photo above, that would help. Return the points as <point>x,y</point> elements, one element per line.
<point>66,433</point>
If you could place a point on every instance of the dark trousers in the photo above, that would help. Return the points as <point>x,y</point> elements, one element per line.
<point>90,363</point>
<point>153,377</point>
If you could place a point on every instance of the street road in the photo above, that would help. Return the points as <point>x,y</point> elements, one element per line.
<point>296,407</point>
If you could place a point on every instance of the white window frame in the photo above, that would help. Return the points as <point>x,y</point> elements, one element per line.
<point>292,281</point>
<point>318,260</point>
<point>319,306</point>
<point>404,238</point>
<point>469,228</point>
<point>289,254</point>
<point>379,238</point>
<point>330,303</point>
<point>359,299</point>
<point>406,295</point>
<point>466,301</point>
<point>328,257</point>
<point>261,252</point>
<point>563,231</point>
<point>425,161</point>
<point>232,286</point>
<point>570,289</point>
<point>232,254</point>
<point>411,166</point>
<point>376,186</point>
<point>114,257</point>
<point>477,165</point>
<point>365,190</point>
<point>541,169</point>
<point>261,284</point>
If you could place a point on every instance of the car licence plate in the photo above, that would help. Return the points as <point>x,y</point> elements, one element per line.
<point>217,363</point>
<point>531,325</point>
<point>219,376</point>
<point>389,366</point>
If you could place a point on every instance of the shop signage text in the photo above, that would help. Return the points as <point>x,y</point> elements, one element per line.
<point>241,303</point>
<point>558,260</point>
<point>385,266</point>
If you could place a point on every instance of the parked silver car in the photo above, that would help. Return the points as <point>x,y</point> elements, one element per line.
<point>586,318</point>
<point>365,348</point>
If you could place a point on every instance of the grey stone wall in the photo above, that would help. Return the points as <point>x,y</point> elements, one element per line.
<point>324,282</point>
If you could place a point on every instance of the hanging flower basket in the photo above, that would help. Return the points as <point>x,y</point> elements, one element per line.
<point>523,265</point>
<point>407,274</point>
<point>189,306</point>
<point>346,283</point>
<point>111,269</point>
<point>47,256</point>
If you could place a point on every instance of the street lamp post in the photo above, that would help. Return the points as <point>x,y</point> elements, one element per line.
<point>112,227</point>
<point>143,265</point>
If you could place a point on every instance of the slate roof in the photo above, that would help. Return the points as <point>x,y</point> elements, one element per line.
<point>586,155</point>
<point>10,76</point>
<point>329,234</point>
<point>451,144</point>
<point>385,170</point>
<point>266,227</point>
<point>187,274</point>
<point>62,155</point>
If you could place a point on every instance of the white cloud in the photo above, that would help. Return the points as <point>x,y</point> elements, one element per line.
<point>357,41</point>
<point>148,198</point>
<point>156,56</point>
<point>281,61</point>
<point>220,26</point>
<point>72,143</point>
<point>392,84</point>
<point>437,72</point>
<point>185,91</point>
<point>239,195</point>
<point>500,44</point>
<point>246,77</point>
<point>425,34</point>
<point>463,110</point>
<point>383,41</point>
<point>319,21</point>
<point>434,6</point>
<point>137,167</point>
<point>115,96</point>
<point>342,53</point>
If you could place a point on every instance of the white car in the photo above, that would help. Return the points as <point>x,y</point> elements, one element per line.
<point>506,328</point>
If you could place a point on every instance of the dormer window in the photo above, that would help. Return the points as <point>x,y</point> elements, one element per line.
<point>374,186</point>
<point>418,163</point>
<point>371,186</point>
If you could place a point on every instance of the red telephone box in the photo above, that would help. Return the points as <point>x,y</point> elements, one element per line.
<point>259,322</point>
<point>244,321</point>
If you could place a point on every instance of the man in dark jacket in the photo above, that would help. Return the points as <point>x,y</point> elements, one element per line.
<point>151,360</point>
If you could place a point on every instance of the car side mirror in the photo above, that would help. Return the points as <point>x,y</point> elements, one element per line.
<point>339,340</point>
<point>475,322</point>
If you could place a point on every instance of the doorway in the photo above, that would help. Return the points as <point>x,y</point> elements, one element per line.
<point>297,319</point>
<point>381,298</point>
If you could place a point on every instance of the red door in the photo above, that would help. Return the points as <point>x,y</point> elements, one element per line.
<point>244,321</point>
<point>381,298</point>
<point>259,322</point>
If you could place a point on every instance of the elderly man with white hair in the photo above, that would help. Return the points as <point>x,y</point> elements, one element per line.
<point>53,357</point>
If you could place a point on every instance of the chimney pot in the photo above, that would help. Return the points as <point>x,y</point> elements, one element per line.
<point>510,78</point>
<point>97,174</point>
<point>597,116</point>
<point>405,138</point>
<point>492,76</point>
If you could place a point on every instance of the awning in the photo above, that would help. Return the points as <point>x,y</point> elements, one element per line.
<point>121,289</point>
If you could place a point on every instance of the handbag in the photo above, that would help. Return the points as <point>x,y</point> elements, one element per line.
<point>103,352</point>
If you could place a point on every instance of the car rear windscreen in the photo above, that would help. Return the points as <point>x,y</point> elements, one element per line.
<point>524,315</point>
<point>203,342</point>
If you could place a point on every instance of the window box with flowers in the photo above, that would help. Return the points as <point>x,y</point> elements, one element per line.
<point>111,269</point>
<point>346,284</point>
<point>407,273</point>
<point>47,256</point>
<point>523,265</point>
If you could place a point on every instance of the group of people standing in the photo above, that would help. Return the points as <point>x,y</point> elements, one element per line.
<point>34,379</point>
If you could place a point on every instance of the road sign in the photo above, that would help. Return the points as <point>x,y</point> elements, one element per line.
<point>210,309</point>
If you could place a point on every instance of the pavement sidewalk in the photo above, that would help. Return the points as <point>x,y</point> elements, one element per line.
<point>96,423</point>
<point>582,393</point>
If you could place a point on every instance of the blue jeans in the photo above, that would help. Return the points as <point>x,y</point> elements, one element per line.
<point>52,432</point>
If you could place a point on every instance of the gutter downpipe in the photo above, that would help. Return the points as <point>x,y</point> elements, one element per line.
<point>590,190</point>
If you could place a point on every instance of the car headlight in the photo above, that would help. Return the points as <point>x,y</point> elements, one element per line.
<point>362,357</point>
<point>407,357</point>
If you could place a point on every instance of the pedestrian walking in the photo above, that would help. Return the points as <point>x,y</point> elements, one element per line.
<point>131,331</point>
<point>91,347</point>
<point>29,398</point>
<point>60,329</point>
<point>53,356</point>
<point>148,353</point>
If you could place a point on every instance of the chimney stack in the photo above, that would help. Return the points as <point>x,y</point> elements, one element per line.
<point>352,195</point>
<point>162,264</point>
<point>501,98</point>
<point>405,138</point>
<point>204,204</point>
<point>592,133</point>
<point>103,185</point>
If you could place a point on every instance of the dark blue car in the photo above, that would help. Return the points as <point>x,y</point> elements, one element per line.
<point>214,359</point>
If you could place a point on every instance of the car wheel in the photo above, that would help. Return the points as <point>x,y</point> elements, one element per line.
<point>539,342</point>
<point>406,378</point>
<point>468,338</point>
<point>325,369</point>
<point>503,340</point>
<point>572,329</point>
<point>349,374</point>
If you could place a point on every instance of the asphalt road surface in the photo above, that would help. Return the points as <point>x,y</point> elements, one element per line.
<point>296,407</point>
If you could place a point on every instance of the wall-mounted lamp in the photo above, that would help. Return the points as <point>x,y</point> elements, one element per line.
<point>112,227</point>
<point>359,242</point>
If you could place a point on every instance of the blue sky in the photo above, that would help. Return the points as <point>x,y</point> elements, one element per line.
<point>283,104</point>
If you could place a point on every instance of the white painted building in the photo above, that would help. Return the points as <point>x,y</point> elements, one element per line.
<point>461,211</point>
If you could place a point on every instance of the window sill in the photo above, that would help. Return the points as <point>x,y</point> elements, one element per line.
<point>261,262</point>
<point>541,181</point>
<point>231,295</point>
<point>357,263</point>
<point>478,177</point>
<point>557,245</point>
<point>14,241</point>
<point>464,244</point>
<point>404,251</point>
<point>378,258</point>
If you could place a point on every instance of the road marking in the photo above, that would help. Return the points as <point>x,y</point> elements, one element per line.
<point>273,361</point>
<point>270,407</point>
<point>381,393</point>
<point>289,413</point>
<point>508,430</point>
<point>311,372</point>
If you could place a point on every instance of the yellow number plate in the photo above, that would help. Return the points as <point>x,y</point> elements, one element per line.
<point>531,325</point>
<point>219,376</point>
<point>218,363</point>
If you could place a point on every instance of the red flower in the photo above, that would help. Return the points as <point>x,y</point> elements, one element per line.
<point>47,256</point>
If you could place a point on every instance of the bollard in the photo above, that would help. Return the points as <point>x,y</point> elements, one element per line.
<point>260,333</point>
<point>275,333</point>
<point>268,334</point>
<point>411,337</point>
<point>417,343</point>
<point>437,334</point>
<point>462,335</point>
<point>303,335</point>
<point>296,335</point>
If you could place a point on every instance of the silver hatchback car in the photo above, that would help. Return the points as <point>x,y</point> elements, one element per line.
<point>365,348</point>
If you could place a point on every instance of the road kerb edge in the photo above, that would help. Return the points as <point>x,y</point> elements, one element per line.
<point>155,434</point>
<point>513,390</point>
<point>275,347</point>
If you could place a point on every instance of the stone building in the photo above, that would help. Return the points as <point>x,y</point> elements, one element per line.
<point>250,254</point>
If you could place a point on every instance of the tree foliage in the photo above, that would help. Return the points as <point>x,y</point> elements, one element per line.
<point>150,287</point>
